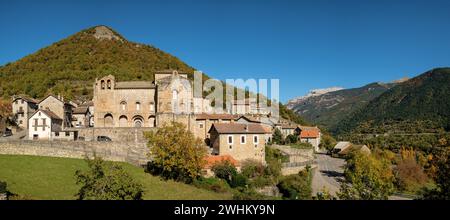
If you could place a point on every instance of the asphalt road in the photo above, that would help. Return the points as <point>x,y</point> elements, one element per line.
<point>328,174</point>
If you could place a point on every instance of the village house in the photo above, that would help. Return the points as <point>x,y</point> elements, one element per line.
<point>43,123</point>
<point>343,148</point>
<point>22,108</point>
<point>240,141</point>
<point>310,135</point>
<point>286,129</point>
<point>205,121</point>
<point>81,117</point>
<point>59,107</point>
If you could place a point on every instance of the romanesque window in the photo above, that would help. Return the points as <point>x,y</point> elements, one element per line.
<point>102,84</point>
<point>138,106</point>
<point>152,106</point>
<point>109,84</point>
<point>123,105</point>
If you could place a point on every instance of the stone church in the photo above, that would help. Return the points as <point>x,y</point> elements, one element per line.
<point>145,103</point>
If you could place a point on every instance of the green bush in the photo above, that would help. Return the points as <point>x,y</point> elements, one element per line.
<point>238,180</point>
<point>248,194</point>
<point>105,181</point>
<point>212,183</point>
<point>291,139</point>
<point>3,186</point>
<point>297,186</point>
<point>261,181</point>
<point>224,170</point>
<point>252,168</point>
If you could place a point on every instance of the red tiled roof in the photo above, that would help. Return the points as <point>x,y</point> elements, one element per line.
<point>236,128</point>
<point>313,133</point>
<point>213,159</point>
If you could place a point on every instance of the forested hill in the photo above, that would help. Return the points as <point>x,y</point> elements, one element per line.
<point>419,105</point>
<point>70,66</point>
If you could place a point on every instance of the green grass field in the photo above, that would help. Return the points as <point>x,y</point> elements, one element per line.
<point>51,178</point>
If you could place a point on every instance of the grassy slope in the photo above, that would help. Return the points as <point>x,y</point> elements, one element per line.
<point>53,178</point>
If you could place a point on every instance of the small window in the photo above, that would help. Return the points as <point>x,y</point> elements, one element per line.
<point>152,106</point>
<point>123,104</point>
<point>57,134</point>
<point>138,106</point>
<point>67,133</point>
<point>243,141</point>
<point>230,139</point>
<point>255,139</point>
<point>201,125</point>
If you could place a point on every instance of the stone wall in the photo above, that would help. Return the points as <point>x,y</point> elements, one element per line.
<point>134,153</point>
<point>134,135</point>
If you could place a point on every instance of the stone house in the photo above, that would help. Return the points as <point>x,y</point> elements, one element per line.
<point>22,108</point>
<point>43,123</point>
<point>240,141</point>
<point>81,117</point>
<point>343,148</point>
<point>59,107</point>
<point>310,135</point>
<point>286,129</point>
<point>203,123</point>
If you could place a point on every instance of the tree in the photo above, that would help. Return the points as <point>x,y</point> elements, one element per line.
<point>106,181</point>
<point>442,179</point>
<point>367,178</point>
<point>277,137</point>
<point>291,139</point>
<point>176,153</point>
<point>224,170</point>
<point>327,142</point>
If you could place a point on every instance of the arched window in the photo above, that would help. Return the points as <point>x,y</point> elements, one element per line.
<point>102,83</point>
<point>138,121</point>
<point>123,121</point>
<point>108,119</point>
<point>138,106</point>
<point>152,106</point>
<point>109,84</point>
<point>123,105</point>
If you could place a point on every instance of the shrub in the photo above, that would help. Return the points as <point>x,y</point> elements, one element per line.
<point>105,181</point>
<point>410,175</point>
<point>252,168</point>
<point>291,139</point>
<point>297,186</point>
<point>212,183</point>
<point>248,194</point>
<point>261,181</point>
<point>224,170</point>
<point>238,180</point>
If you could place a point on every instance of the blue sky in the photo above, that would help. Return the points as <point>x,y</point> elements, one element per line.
<point>306,44</point>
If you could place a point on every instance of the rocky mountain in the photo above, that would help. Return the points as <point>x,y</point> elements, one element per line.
<point>315,92</point>
<point>327,107</point>
<point>69,66</point>
<point>419,105</point>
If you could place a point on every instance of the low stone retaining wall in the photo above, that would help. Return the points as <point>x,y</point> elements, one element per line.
<point>134,153</point>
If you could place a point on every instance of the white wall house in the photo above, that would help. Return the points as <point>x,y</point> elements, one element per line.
<point>42,123</point>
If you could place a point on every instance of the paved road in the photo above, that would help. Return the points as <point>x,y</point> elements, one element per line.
<point>328,174</point>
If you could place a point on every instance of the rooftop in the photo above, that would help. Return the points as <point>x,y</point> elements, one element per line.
<point>135,85</point>
<point>235,128</point>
